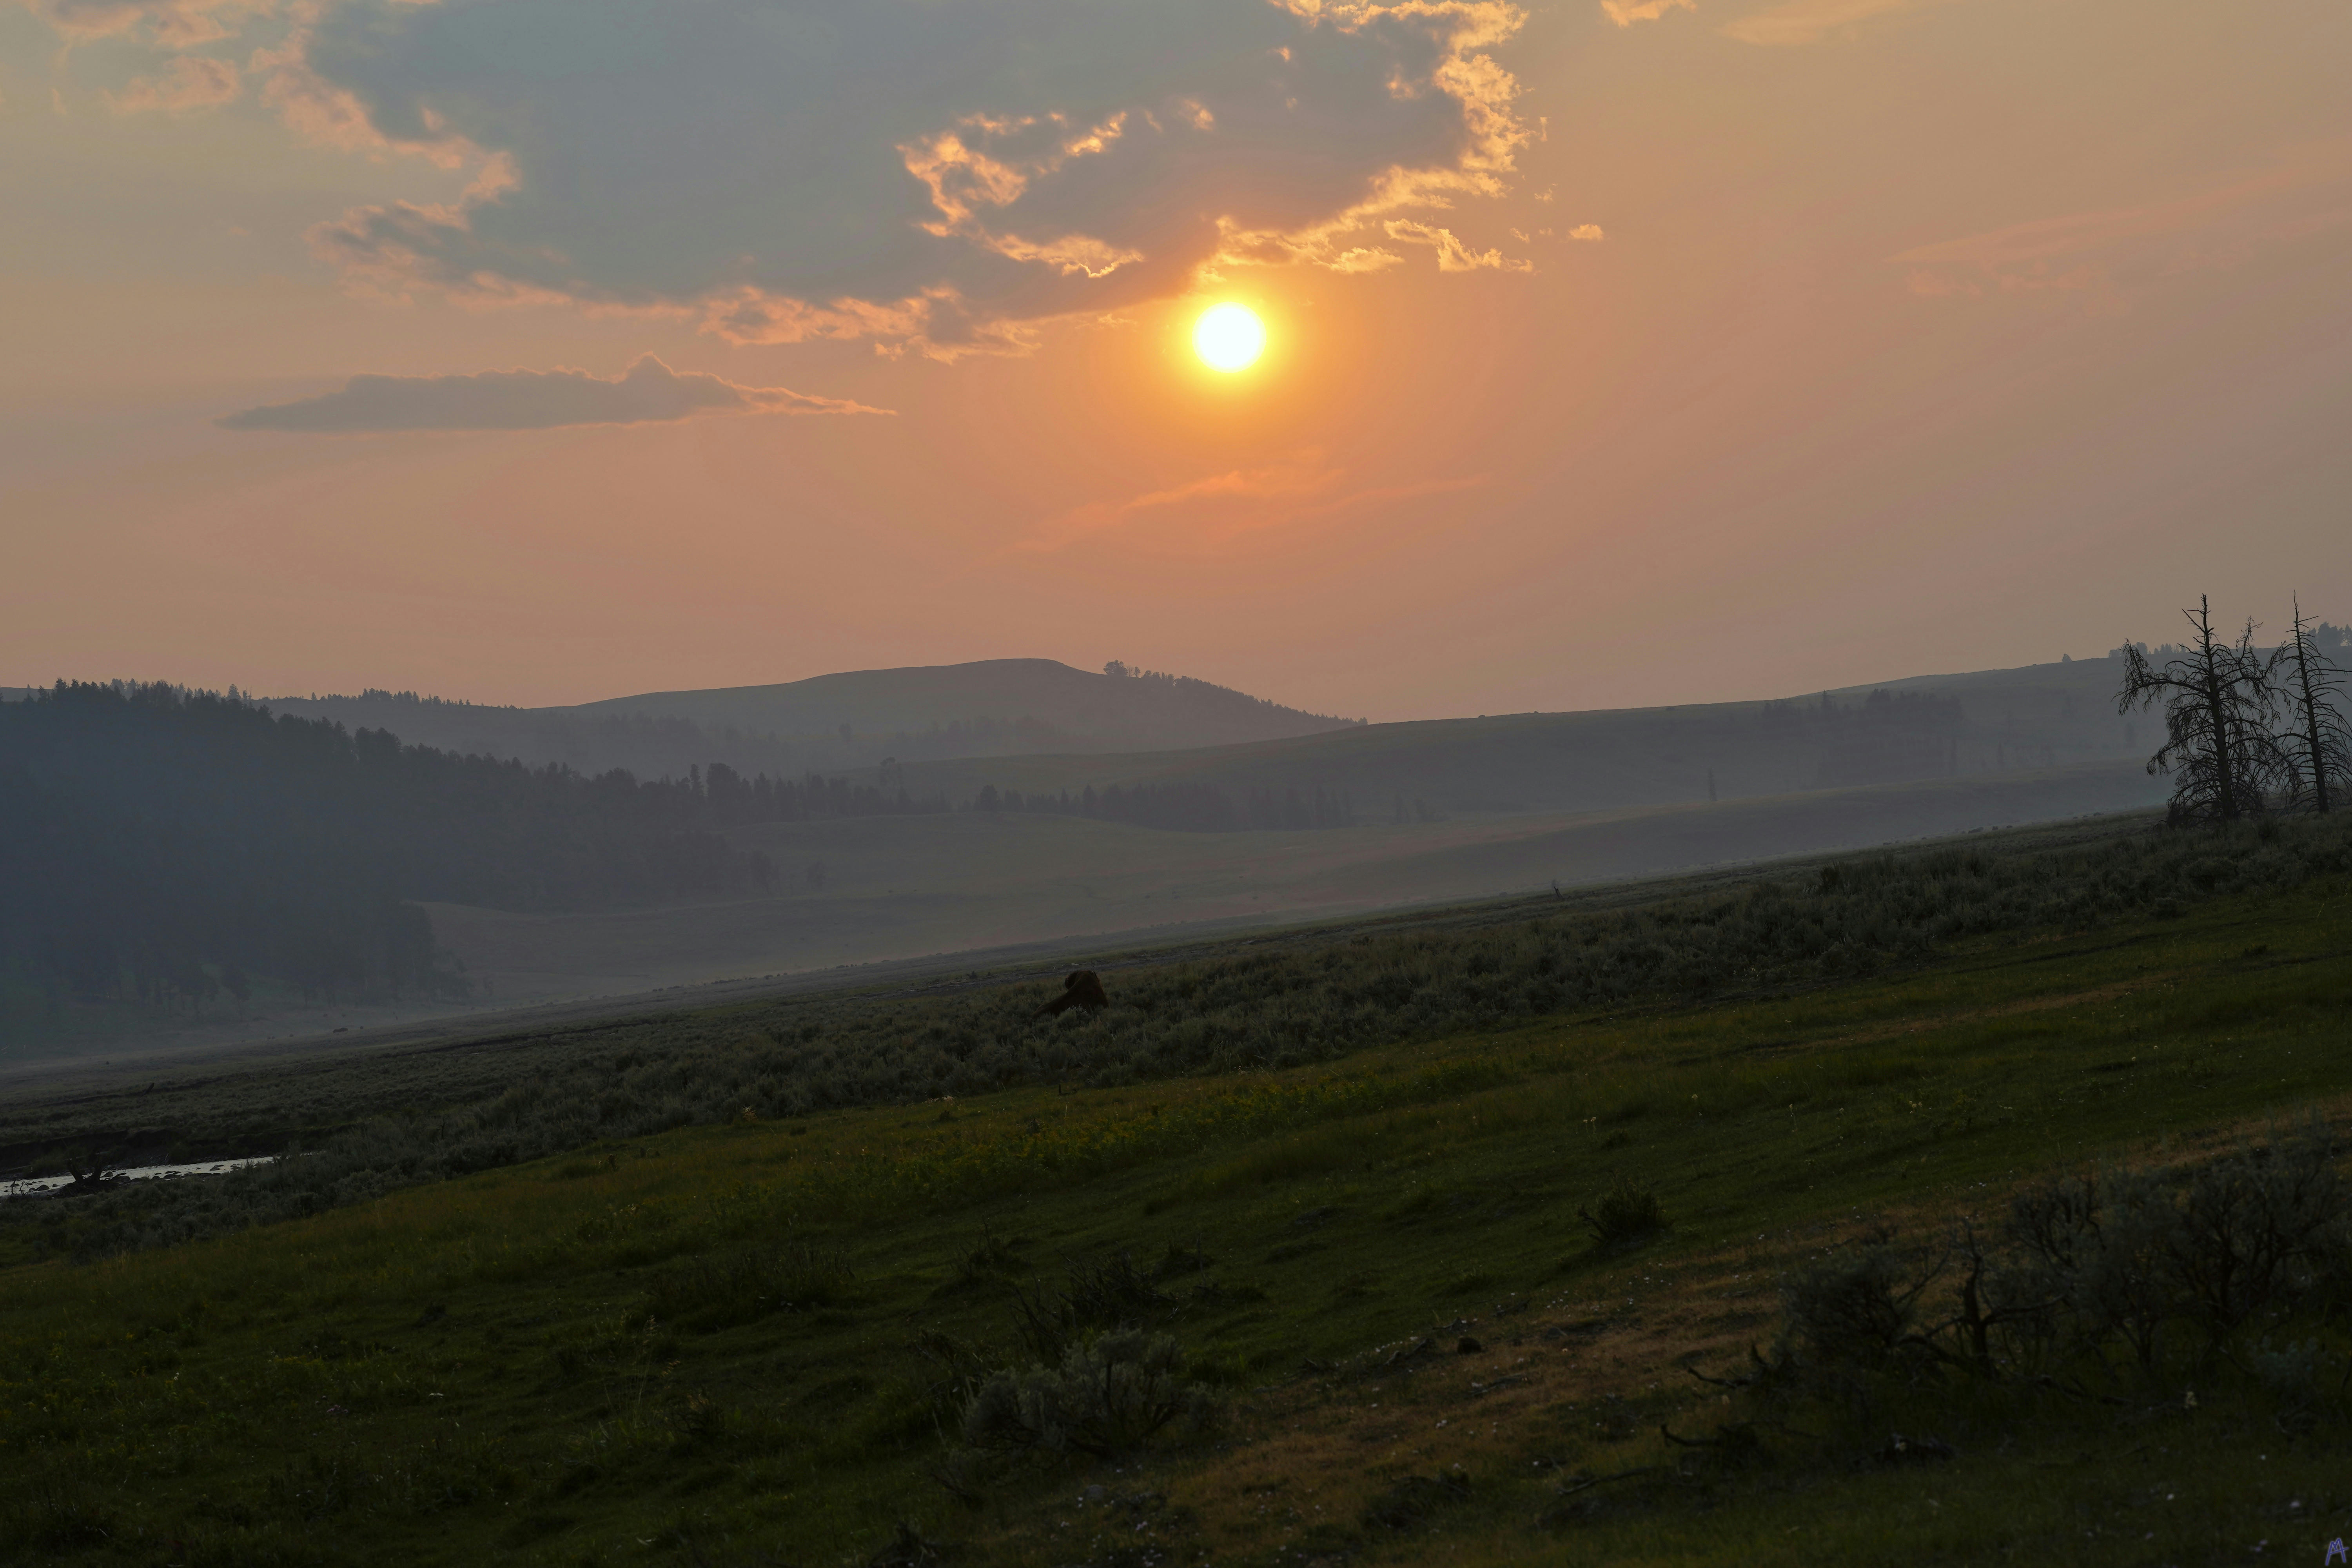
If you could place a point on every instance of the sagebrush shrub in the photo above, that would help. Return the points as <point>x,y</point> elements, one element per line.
<point>1626,1215</point>
<point>1106,1397</point>
<point>2153,1270</point>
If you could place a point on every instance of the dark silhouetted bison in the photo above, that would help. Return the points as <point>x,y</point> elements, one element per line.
<point>1083,989</point>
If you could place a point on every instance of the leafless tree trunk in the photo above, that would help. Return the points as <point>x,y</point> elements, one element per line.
<point>2217,702</point>
<point>2319,744</point>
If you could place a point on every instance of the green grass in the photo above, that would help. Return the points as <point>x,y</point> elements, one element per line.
<point>722,1343</point>
<point>369,1122</point>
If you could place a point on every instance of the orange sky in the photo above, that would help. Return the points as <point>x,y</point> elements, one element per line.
<point>1902,337</point>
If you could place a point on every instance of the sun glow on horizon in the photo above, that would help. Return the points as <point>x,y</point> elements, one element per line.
<point>1228,337</point>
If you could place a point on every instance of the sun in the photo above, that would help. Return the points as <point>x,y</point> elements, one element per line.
<point>1228,337</point>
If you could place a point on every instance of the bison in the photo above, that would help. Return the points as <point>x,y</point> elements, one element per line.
<point>1083,989</point>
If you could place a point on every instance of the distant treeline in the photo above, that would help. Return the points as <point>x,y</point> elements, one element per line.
<point>728,798</point>
<point>1182,807</point>
<point>1887,737</point>
<point>2327,639</point>
<point>166,845</point>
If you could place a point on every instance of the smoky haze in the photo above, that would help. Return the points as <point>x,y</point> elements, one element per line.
<point>242,869</point>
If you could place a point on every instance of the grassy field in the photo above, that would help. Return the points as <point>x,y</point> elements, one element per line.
<point>752,1342</point>
<point>369,1118</point>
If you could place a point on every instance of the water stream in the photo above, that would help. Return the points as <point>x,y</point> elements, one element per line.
<point>29,1184</point>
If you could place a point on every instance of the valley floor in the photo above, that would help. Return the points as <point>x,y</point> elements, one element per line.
<point>889,889</point>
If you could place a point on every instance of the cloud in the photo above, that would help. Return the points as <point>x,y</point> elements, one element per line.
<point>1453,255</point>
<point>1590,232</point>
<point>172,23</point>
<point>194,81</point>
<point>1216,510</point>
<point>1809,21</point>
<point>1626,13</point>
<point>2117,252</point>
<point>528,400</point>
<point>934,178</point>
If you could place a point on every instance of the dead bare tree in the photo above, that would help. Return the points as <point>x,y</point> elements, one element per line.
<point>2217,700</point>
<point>2317,741</point>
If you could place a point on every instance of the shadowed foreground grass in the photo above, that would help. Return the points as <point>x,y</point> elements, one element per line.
<point>745,1343</point>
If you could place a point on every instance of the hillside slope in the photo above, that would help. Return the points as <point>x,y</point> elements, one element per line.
<point>1036,701</point>
<point>1988,724</point>
<point>709,1287</point>
<point>860,889</point>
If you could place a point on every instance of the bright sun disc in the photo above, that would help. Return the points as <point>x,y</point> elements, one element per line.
<point>1228,337</point>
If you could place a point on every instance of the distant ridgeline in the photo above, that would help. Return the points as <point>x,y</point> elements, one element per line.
<point>165,845</point>
<point>2327,638</point>
<point>851,719</point>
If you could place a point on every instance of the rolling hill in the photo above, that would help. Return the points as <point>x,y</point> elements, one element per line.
<point>855,718</point>
<point>1949,726</point>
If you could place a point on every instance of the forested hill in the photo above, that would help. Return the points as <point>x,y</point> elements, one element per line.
<point>163,846</point>
<point>1045,704</point>
<point>853,720</point>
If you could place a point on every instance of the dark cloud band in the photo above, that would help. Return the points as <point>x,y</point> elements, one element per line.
<point>934,176</point>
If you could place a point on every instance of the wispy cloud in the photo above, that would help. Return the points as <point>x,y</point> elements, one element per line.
<point>173,23</point>
<point>648,391</point>
<point>2114,252</point>
<point>1626,13</point>
<point>1809,21</point>
<point>193,81</point>
<point>1453,255</point>
<point>1216,510</point>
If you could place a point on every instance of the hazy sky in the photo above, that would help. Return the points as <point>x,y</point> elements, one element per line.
<point>1637,351</point>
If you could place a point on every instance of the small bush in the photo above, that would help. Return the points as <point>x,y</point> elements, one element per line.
<point>993,1258</point>
<point>2290,1372</point>
<point>1856,1310</point>
<point>1110,1293</point>
<point>1107,1396</point>
<point>2143,1260</point>
<point>2134,1271</point>
<point>1626,1216</point>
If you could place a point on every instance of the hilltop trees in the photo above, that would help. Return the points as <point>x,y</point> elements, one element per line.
<point>2221,700</point>
<point>1185,807</point>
